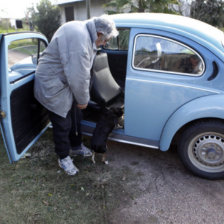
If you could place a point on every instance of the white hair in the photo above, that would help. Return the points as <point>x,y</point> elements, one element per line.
<point>105,25</point>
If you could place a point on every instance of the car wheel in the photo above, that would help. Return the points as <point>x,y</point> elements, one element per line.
<point>201,148</point>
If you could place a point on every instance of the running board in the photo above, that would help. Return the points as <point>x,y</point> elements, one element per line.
<point>119,137</point>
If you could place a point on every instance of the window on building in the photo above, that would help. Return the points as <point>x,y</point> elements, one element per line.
<point>69,13</point>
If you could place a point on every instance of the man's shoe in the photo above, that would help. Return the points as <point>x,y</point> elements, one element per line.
<point>83,151</point>
<point>68,166</point>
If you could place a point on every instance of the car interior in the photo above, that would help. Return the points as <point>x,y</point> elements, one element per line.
<point>108,79</point>
<point>105,92</point>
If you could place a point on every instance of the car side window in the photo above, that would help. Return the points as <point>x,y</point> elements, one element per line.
<point>163,54</point>
<point>120,42</point>
<point>24,52</point>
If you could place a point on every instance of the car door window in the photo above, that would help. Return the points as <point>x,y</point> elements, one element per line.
<point>23,56</point>
<point>120,42</point>
<point>117,52</point>
<point>163,54</point>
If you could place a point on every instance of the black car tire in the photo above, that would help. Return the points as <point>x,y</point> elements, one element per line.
<point>201,149</point>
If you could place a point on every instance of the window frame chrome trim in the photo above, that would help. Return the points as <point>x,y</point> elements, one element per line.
<point>222,40</point>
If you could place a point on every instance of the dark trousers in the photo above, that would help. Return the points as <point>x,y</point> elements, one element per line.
<point>66,131</point>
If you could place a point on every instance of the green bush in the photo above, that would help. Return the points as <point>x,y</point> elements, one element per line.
<point>46,19</point>
<point>209,11</point>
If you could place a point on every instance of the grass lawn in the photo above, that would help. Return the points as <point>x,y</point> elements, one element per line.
<point>36,190</point>
<point>11,30</point>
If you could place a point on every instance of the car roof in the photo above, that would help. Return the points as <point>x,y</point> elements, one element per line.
<point>199,31</point>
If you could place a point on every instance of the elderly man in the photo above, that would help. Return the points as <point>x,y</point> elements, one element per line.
<point>62,82</point>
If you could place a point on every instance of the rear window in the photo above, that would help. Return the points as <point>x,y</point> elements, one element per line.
<point>162,54</point>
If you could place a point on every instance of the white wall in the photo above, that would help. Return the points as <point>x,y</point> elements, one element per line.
<point>62,11</point>
<point>80,12</point>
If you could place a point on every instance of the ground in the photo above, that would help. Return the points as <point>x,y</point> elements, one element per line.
<point>139,186</point>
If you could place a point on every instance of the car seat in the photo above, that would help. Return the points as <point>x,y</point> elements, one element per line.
<point>104,89</point>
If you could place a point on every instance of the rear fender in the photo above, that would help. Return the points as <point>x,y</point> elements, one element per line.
<point>211,106</point>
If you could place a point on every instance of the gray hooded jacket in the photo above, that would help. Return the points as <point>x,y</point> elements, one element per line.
<point>63,71</point>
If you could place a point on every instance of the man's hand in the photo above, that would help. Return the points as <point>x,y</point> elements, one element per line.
<point>82,106</point>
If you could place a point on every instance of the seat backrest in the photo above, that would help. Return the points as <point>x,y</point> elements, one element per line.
<point>103,88</point>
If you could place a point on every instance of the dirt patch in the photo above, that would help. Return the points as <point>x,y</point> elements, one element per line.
<point>138,186</point>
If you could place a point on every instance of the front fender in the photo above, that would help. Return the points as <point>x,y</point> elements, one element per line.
<point>211,106</point>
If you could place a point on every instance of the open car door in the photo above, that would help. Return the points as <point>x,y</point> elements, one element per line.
<point>23,119</point>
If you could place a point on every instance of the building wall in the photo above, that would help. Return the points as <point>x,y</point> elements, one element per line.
<point>80,13</point>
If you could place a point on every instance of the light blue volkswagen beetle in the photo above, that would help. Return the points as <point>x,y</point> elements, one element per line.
<point>171,69</point>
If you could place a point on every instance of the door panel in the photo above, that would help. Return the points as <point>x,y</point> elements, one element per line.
<point>27,115</point>
<point>25,119</point>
